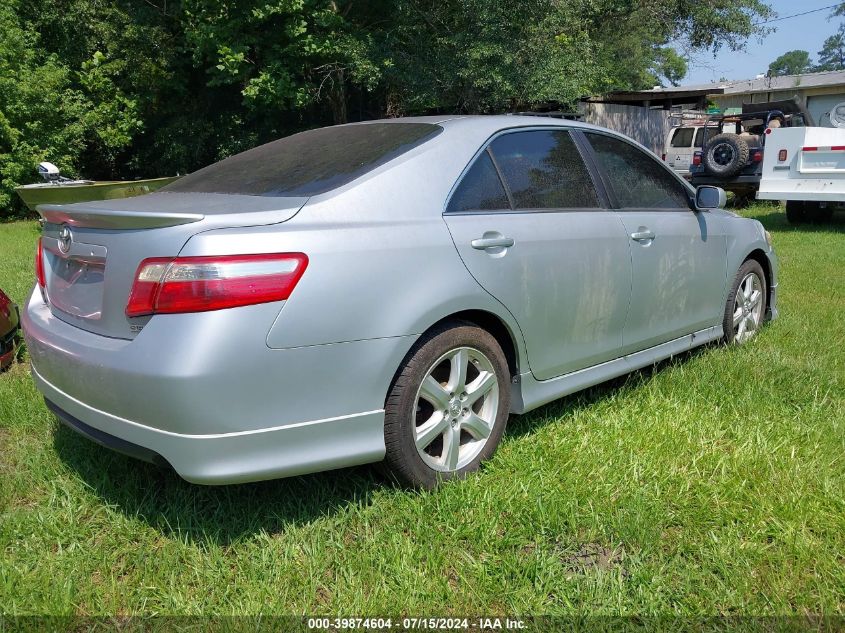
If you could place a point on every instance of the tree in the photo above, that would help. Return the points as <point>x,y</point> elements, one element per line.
<point>832,54</point>
<point>790,63</point>
<point>121,89</point>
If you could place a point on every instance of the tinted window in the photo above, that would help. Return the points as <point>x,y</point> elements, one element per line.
<point>544,170</point>
<point>682,137</point>
<point>637,179</point>
<point>310,162</point>
<point>480,188</point>
<point>699,137</point>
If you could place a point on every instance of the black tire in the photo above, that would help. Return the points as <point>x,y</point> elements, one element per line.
<point>402,459</point>
<point>795,212</point>
<point>816,213</point>
<point>726,155</point>
<point>748,267</point>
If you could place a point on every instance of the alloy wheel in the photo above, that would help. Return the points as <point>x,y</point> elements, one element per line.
<point>748,308</point>
<point>456,407</point>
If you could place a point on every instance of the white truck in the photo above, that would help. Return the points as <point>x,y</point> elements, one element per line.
<point>805,166</point>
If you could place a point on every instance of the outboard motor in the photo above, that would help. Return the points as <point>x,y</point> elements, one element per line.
<point>49,172</point>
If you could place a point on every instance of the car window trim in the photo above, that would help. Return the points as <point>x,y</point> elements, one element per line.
<point>501,176</point>
<point>601,193</point>
<point>612,196</point>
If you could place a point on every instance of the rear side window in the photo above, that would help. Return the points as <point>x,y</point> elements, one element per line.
<point>682,137</point>
<point>637,180</point>
<point>699,137</point>
<point>480,189</point>
<point>544,170</point>
<point>308,163</point>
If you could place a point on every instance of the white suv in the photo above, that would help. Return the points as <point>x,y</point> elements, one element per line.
<point>681,144</point>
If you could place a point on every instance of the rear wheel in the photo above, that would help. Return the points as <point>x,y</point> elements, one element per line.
<point>795,211</point>
<point>816,213</point>
<point>746,305</point>
<point>448,406</point>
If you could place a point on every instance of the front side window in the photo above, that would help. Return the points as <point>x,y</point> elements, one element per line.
<point>544,170</point>
<point>637,180</point>
<point>308,163</point>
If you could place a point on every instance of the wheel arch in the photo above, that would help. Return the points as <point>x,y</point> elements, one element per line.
<point>487,321</point>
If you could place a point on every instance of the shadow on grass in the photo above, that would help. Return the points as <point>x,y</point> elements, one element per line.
<point>776,221</point>
<point>216,514</point>
<point>522,425</point>
<point>223,515</point>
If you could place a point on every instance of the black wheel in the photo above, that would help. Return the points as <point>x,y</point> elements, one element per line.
<point>725,155</point>
<point>795,211</point>
<point>745,309</point>
<point>816,213</point>
<point>448,406</point>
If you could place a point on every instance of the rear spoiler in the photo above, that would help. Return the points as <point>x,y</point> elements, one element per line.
<point>98,218</point>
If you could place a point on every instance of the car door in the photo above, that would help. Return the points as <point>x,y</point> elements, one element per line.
<point>679,256</point>
<point>535,232</point>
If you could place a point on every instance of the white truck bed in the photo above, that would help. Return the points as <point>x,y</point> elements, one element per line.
<point>804,163</point>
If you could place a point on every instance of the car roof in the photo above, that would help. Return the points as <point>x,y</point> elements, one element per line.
<point>488,122</point>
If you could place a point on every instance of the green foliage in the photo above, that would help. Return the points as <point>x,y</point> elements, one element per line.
<point>121,89</point>
<point>791,63</point>
<point>832,55</point>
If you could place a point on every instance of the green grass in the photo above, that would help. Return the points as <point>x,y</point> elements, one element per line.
<point>714,484</point>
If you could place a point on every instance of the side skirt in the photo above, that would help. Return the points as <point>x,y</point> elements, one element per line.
<point>530,393</point>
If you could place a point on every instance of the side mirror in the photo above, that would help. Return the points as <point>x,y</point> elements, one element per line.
<point>709,197</point>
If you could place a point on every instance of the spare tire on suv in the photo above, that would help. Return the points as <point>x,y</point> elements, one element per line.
<point>726,155</point>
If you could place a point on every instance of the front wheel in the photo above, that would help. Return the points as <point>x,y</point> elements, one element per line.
<point>448,406</point>
<point>746,305</point>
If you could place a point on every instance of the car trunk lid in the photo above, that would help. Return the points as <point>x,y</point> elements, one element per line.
<point>91,251</point>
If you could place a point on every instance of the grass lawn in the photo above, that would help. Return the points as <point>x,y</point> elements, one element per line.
<point>714,484</point>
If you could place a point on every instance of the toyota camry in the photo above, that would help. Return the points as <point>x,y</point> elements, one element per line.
<point>388,291</point>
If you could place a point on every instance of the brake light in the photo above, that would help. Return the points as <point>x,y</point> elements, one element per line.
<point>782,155</point>
<point>696,158</point>
<point>39,265</point>
<point>757,156</point>
<point>200,284</point>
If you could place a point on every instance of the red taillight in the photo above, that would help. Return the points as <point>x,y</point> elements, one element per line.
<point>199,284</point>
<point>663,157</point>
<point>696,158</point>
<point>757,156</point>
<point>39,265</point>
<point>782,154</point>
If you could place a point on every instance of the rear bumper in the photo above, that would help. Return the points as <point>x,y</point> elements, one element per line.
<point>218,409</point>
<point>230,457</point>
<point>741,183</point>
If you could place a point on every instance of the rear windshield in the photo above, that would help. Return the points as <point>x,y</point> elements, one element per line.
<point>308,163</point>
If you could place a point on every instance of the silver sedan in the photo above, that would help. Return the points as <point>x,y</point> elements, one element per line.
<point>383,291</point>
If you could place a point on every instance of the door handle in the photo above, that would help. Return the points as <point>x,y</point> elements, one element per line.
<point>483,243</point>
<point>643,235</point>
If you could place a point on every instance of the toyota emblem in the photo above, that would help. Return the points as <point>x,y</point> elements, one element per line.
<point>65,239</point>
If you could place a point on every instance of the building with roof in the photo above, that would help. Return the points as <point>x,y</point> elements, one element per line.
<point>645,115</point>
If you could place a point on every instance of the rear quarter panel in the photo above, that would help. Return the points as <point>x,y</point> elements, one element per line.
<point>381,260</point>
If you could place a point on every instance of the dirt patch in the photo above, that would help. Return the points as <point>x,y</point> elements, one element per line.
<point>594,557</point>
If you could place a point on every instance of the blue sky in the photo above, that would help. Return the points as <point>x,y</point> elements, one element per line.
<point>806,32</point>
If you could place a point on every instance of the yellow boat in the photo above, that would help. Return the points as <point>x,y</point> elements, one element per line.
<point>68,191</point>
